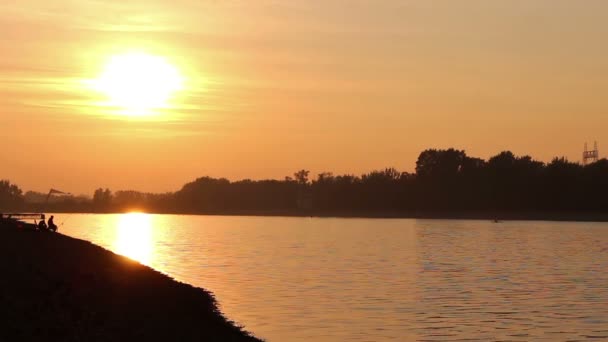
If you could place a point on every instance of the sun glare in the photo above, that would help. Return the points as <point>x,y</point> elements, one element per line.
<point>138,84</point>
<point>134,237</point>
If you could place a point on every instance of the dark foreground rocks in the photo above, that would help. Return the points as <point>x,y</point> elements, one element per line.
<point>56,288</point>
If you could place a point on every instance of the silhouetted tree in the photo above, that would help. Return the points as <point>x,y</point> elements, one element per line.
<point>11,196</point>
<point>301,176</point>
<point>438,173</point>
<point>445,181</point>
<point>562,184</point>
<point>440,164</point>
<point>102,199</point>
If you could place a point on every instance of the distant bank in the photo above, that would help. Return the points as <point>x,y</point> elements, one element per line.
<point>445,180</point>
<point>57,288</point>
<point>500,216</point>
<point>454,215</point>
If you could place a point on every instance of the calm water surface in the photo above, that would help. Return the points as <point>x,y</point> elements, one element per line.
<point>303,279</point>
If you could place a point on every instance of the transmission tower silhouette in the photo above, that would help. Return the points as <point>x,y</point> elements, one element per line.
<point>590,156</point>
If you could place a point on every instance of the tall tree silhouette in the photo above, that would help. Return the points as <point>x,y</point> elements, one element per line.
<point>11,196</point>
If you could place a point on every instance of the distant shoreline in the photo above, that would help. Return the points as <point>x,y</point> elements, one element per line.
<point>465,215</point>
<point>447,183</point>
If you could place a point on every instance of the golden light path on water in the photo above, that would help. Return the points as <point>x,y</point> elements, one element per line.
<point>328,280</point>
<point>134,237</point>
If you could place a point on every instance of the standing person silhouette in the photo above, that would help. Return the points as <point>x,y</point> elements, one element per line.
<point>52,225</point>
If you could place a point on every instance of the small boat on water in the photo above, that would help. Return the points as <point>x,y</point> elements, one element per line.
<point>25,221</point>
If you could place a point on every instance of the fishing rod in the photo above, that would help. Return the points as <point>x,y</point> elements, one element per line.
<point>67,218</point>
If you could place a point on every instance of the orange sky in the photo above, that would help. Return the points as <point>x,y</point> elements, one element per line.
<point>275,86</point>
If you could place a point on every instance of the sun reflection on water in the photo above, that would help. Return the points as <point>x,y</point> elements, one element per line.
<point>134,237</point>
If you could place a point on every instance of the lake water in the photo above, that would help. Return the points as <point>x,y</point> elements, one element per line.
<point>312,279</point>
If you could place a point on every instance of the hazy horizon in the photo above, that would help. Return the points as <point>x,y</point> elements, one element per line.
<point>270,88</point>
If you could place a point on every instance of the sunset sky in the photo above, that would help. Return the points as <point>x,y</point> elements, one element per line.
<point>264,88</point>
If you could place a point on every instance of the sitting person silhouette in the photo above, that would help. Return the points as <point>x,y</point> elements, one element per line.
<point>52,225</point>
<point>42,225</point>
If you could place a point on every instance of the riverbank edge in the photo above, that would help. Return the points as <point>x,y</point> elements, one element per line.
<point>591,216</point>
<point>62,288</point>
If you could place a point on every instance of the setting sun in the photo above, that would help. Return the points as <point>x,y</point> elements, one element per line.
<point>138,84</point>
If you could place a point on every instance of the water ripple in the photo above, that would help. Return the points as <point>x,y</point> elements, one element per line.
<point>301,279</point>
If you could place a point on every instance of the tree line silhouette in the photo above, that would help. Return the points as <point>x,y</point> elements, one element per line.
<point>445,181</point>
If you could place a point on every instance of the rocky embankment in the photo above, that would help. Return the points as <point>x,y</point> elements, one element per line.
<point>57,288</point>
